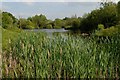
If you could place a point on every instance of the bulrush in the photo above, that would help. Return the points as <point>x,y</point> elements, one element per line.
<point>20,42</point>
<point>49,54</point>
<point>9,41</point>
<point>32,48</point>
<point>60,51</point>
<point>53,57</point>
<point>117,77</point>
<point>10,60</point>
<point>23,46</point>
<point>101,73</point>
<point>97,72</point>
<point>6,70</point>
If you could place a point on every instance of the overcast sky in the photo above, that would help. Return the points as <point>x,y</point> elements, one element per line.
<point>57,0</point>
<point>52,10</point>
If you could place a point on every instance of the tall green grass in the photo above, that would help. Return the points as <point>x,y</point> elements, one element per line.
<point>8,34</point>
<point>35,55</point>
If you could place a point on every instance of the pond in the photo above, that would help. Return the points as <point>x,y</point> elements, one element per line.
<point>50,32</point>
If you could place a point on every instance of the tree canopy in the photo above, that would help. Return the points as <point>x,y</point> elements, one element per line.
<point>8,20</point>
<point>106,15</point>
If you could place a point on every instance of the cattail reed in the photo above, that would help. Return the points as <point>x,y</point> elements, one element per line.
<point>48,53</point>
<point>101,75</point>
<point>23,46</point>
<point>34,55</point>
<point>117,77</point>
<point>60,50</point>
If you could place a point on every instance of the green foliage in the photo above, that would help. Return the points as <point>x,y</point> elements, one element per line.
<point>100,26</point>
<point>38,20</point>
<point>30,25</point>
<point>9,34</point>
<point>25,24</point>
<point>107,32</point>
<point>22,23</point>
<point>72,23</point>
<point>118,9</point>
<point>109,14</point>
<point>49,26</point>
<point>58,23</point>
<point>75,23</point>
<point>118,26</point>
<point>34,55</point>
<point>106,15</point>
<point>107,3</point>
<point>8,20</point>
<point>0,18</point>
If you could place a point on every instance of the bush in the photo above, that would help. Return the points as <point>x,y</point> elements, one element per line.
<point>106,32</point>
<point>100,27</point>
<point>49,26</point>
<point>106,15</point>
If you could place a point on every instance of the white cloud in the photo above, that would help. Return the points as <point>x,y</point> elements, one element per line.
<point>28,0</point>
<point>57,0</point>
<point>29,3</point>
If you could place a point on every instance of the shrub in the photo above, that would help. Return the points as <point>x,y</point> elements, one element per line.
<point>106,32</point>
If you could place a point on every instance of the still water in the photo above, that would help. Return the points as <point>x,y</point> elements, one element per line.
<point>50,32</point>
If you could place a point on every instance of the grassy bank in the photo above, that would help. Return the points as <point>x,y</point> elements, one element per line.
<point>9,34</point>
<point>34,55</point>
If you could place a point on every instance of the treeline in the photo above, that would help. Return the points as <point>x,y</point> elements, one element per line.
<point>107,16</point>
<point>38,22</point>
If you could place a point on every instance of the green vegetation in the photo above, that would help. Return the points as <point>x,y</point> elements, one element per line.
<point>9,34</point>
<point>106,32</point>
<point>108,15</point>
<point>8,20</point>
<point>36,55</point>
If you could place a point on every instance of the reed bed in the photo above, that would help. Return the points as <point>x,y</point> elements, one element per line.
<point>35,55</point>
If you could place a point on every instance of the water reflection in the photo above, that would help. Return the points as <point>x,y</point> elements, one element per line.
<point>56,32</point>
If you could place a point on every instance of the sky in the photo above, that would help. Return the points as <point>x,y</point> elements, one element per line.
<point>57,0</point>
<point>52,10</point>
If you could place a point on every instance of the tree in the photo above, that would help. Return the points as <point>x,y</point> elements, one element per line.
<point>25,24</point>
<point>58,23</point>
<point>75,23</point>
<point>118,9</point>
<point>38,20</point>
<point>106,15</point>
<point>22,23</point>
<point>30,25</point>
<point>72,23</point>
<point>0,18</point>
<point>49,26</point>
<point>8,20</point>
